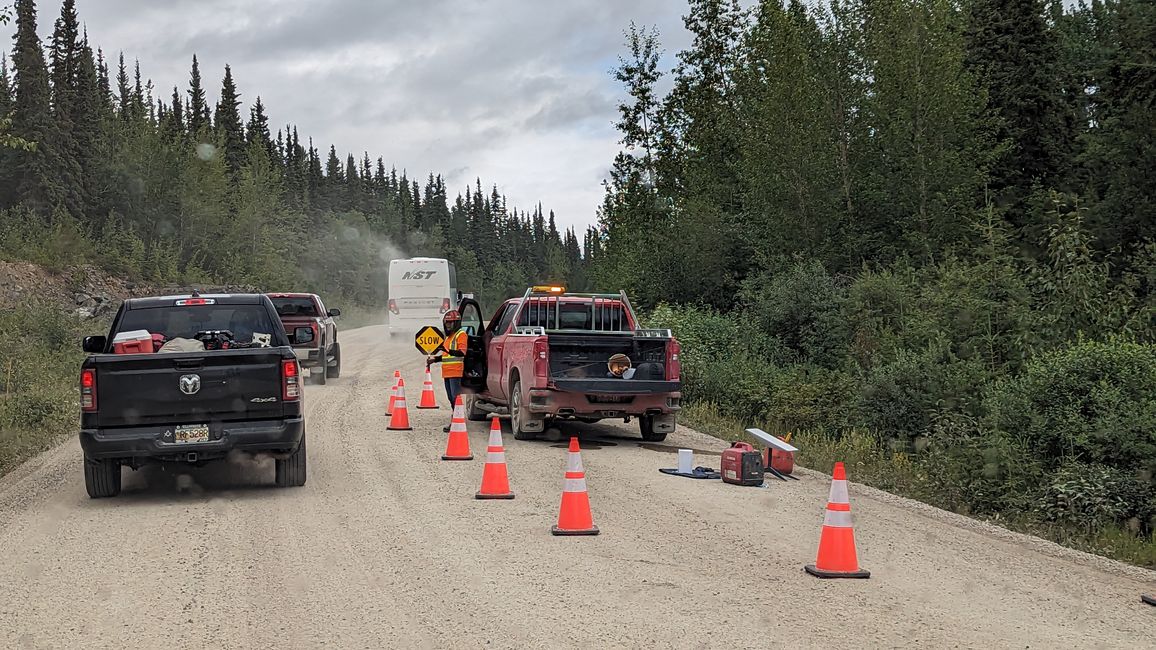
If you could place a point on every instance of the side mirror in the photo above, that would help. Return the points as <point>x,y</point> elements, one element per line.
<point>94,344</point>
<point>303,335</point>
<point>335,312</point>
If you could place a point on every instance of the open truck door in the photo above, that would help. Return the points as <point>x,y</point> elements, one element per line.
<point>474,374</point>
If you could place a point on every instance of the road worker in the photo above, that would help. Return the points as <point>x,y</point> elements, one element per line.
<point>453,357</point>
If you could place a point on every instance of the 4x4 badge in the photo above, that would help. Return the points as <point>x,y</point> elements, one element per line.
<point>190,384</point>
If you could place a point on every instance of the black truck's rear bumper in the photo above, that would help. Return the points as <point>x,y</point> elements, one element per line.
<point>276,436</point>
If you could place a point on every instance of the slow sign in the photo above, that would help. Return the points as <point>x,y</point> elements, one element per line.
<point>429,339</point>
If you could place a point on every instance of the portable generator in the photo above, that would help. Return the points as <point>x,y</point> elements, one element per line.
<point>742,465</point>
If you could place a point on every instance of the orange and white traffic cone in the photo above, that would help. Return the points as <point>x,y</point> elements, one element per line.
<point>428,399</point>
<point>458,446</point>
<point>393,393</point>
<point>837,557</point>
<point>399,421</point>
<point>574,518</point>
<point>495,480</point>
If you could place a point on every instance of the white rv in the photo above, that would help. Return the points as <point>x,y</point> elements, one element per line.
<point>421,291</point>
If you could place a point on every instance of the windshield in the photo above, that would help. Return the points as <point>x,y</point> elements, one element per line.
<point>244,321</point>
<point>299,306</point>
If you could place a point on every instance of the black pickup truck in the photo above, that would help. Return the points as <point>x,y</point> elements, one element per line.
<point>191,379</point>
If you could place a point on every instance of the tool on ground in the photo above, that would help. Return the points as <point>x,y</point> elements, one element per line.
<point>495,479</point>
<point>837,557</point>
<point>399,421</point>
<point>742,465</point>
<point>574,517</point>
<point>779,459</point>
<point>393,393</point>
<point>428,399</point>
<point>458,445</point>
<point>697,472</point>
<point>1151,600</point>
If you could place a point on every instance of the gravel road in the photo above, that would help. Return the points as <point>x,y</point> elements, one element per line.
<point>386,547</point>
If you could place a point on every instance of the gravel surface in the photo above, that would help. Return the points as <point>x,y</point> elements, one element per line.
<point>386,547</point>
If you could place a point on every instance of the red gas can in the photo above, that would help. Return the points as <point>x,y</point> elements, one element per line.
<point>742,465</point>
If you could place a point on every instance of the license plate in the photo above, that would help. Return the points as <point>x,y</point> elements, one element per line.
<point>191,433</point>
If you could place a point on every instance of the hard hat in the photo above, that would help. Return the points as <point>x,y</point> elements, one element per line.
<point>451,316</point>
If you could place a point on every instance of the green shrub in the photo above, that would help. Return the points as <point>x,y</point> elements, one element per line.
<point>1094,496</point>
<point>900,398</point>
<point>800,308</point>
<point>1092,402</point>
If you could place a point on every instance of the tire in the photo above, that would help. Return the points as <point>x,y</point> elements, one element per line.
<point>646,424</point>
<point>292,471</point>
<point>334,371</point>
<point>101,478</point>
<point>518,414</point>
<point>473,413</point>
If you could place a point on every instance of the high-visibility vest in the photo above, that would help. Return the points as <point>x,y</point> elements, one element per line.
<point>454,366</point>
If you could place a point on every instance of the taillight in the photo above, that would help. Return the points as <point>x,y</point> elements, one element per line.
<point>88,390</point>
<point>316,333</point>
<point>673,364</point>
<point>291,378</point>
<point>445,305</point>
<point>393,306</point>
<point>541,358</point>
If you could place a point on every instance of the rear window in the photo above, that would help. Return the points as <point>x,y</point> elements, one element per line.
<point>186,322</point>
<point>602,317</point>
<point>295,306</point>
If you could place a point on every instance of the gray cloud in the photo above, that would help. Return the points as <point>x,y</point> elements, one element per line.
<point>514,91</point>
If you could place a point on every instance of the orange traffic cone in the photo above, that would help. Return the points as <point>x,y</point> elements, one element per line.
<point>393,393</point>
<point>575,518</point>
<point>399,421</point>
<point>495,481</point>
<point>428,399</point>
<point>458,446</point>
<point>837,557</point>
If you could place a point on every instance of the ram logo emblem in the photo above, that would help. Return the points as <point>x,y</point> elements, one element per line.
<point>190,384</point>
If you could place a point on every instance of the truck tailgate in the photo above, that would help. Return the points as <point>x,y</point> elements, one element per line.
<point>143,389</point>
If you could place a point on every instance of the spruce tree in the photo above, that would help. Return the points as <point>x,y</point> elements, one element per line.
<point>257,130</point>
<point>198,108</point>
<point>1013,53</point>
<point>227,119</point>
<point>6,100</point>
<point>31,171</point>
<point>123,91</point>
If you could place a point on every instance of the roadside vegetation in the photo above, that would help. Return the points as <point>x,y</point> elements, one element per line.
<point>919,236</point>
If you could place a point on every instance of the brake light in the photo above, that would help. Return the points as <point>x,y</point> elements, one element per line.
<point>393,306</point>
<point>291,378</point>
<point>445,305</point>
<point>541,359</point>
<point>88,390</point>
<point>195,301</point>
<point>316,333</point>
<point>673,364</point>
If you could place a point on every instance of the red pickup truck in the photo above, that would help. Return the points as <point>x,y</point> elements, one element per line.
<point>323,354</point>
<point>554,355</point>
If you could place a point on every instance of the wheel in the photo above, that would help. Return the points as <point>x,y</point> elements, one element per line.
<point>646,424</point>
<point>101,478</point>
<point>518,415</point>
<point>473,413</point>
<point>334,371</point>
<point>291,472</point>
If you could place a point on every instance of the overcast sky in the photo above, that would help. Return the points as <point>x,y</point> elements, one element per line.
<point>516,92</point>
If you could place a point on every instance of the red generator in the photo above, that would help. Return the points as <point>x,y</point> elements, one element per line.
<point>742,465</point>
